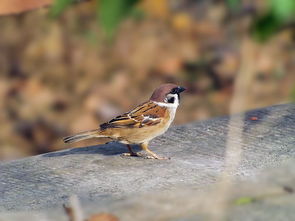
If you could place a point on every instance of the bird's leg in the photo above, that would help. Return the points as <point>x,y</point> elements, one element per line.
<point>144,146</point>
<point>131,152</point>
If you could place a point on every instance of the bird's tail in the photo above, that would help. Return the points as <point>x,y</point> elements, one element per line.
<point>83,136</point>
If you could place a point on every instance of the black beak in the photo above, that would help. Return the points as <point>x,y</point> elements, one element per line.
<point>180,89</point>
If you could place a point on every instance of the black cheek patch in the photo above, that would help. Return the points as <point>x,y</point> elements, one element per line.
<point>171,100</point>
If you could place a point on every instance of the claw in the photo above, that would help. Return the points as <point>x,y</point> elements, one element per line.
<point>131,155</point>
<point>152,155</point>
<point>156,157</point>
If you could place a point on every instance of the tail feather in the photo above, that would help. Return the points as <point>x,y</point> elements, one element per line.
<point>82,136</point>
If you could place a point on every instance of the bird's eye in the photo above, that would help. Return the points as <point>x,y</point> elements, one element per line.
<point>174,91</point>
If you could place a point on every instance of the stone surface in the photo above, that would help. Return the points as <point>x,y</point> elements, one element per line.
<point>104,180</point>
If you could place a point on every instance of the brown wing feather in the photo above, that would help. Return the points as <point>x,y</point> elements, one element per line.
<point>147,113</point>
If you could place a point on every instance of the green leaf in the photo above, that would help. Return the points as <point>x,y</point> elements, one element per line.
<point>137,14</point>
<point>59,6</point>
<point>112,12</point>
<point>244,200</point>
<point>233,4</point>
<point>268,24</point>
<point>283,9</point>
<point>265,26</point>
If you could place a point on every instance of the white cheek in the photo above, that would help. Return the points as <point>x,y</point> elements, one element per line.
<point>176,100</point>
<point>169,105</point>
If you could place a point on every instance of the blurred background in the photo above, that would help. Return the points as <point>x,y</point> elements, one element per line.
<point>68,66</point>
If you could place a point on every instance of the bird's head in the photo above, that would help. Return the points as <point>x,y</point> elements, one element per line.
<point>167,94</point>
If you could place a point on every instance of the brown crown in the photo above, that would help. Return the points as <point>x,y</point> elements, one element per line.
<point>161,92</point>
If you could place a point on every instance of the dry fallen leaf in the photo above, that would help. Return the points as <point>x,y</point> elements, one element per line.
<point>157,8</point>
<point>17,6</point>
<point>182,22</point>
<point>69,212</point>
<point>103,217</point>
<point>253,118</point>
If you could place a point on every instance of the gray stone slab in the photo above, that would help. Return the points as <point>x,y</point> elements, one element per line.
<point>100,174</point>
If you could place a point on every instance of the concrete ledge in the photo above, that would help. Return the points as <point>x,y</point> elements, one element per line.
<point>105,180</point>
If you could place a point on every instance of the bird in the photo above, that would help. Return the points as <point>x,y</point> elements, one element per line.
<point>141,124</point>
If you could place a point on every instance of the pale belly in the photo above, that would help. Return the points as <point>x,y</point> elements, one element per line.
<point>144,134</point>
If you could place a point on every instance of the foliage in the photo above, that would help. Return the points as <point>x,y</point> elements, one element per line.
<point>283,9</point>
<point>59,6</point>
<point>244,200</point>
<point>112,12</point>
<point>233,4</point>
<point>267,24</point>
<point>280,12</point>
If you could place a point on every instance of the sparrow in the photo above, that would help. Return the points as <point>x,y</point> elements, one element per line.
<point>140,125</point>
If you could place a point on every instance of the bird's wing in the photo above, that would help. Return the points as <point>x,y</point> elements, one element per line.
<point>146,114</point>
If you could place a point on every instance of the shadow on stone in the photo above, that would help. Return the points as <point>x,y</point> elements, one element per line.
<point>111,148</point>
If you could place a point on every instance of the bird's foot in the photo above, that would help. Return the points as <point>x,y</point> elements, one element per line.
<point>145,156</point>
<point>156,157</point>
<point>131,155</point>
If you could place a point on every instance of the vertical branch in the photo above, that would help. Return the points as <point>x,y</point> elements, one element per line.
<point>74,211</point>
<point>234,142</point>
